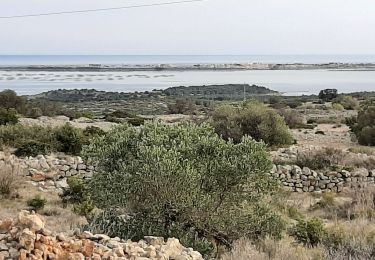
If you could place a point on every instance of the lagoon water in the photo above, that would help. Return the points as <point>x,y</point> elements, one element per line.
<point>291,82</point>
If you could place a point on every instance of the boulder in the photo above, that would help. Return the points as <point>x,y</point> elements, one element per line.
<point>30,221</point>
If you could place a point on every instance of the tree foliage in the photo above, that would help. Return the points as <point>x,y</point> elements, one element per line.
<point>183,181</point>
<point>253,119</point>
<point>8,116</point>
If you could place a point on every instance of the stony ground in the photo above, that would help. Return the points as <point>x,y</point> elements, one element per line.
<point>27,237</point>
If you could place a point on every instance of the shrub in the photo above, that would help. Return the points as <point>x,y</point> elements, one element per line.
<point>338,107</point>
<point>182,106</point>
<point>36,203</point>
<point>16,135</point>
<point>253,119</point>
<point>92,131</point>
<point>309,232</point>
<point>364,127</point>
<point>88,115</point>
<point>32,148</point>
<point>75,192</point>
<point>8,116</point>
<point>292,118</point>
<point>183,181</point>
<point>70,140</point>
<point>320,159</point>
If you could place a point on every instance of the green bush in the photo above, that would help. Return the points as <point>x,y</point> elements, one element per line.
<point>32,148</point>
<point>338,107</point>
<point>309,232</point>
<point>253,119</point>
<point>364,126</point>
<point>76,194</point>
<point>88,115</point>
<point>70,140</point>
<point>37,203</point>
<point>8,116</point>
<point>178,180</point>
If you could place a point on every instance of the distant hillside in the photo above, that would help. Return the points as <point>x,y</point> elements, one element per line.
<point>217,92</point>
<point>81,95</point>
<point>228,91</point>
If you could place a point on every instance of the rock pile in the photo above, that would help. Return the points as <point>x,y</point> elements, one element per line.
<point>298,179</point>
<point>27,238</point>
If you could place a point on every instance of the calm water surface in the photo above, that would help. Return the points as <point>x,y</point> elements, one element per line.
<point>288,82</point>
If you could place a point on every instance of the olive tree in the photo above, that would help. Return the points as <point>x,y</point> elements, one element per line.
<point>253,119</point>
<point>182,181</point>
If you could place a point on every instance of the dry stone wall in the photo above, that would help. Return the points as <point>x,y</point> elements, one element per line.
<point>50,172</point>
<point>298,179</point>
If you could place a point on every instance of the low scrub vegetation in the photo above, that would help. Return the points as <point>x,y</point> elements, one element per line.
<point>254,120</point>
<point>34,140</point>
<point>346,102</point>
<point>320,159</point>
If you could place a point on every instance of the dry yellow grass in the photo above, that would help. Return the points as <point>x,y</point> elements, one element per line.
<point>286,249</point>
<point>58,219</point>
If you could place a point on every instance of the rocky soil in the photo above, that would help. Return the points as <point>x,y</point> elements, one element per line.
<point>27,238</point>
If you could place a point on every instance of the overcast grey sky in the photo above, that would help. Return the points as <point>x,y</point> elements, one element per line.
<point>210,27</point>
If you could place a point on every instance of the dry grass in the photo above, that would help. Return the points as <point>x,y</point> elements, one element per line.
<point>286,249</point>
<point>10,174</point>
<point>58,219</point>
<point>363,150</point>
<point>351,240</point>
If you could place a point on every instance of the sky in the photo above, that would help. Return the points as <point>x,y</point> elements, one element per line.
<point>251,27</point>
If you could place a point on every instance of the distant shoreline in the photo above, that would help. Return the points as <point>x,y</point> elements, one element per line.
<point>194,67</point>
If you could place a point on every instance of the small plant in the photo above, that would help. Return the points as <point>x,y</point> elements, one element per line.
<point>84,208</point>
<point>75,192</point>
<point>327,200</point>
<point>37,203</point>
<point>309,232</point>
